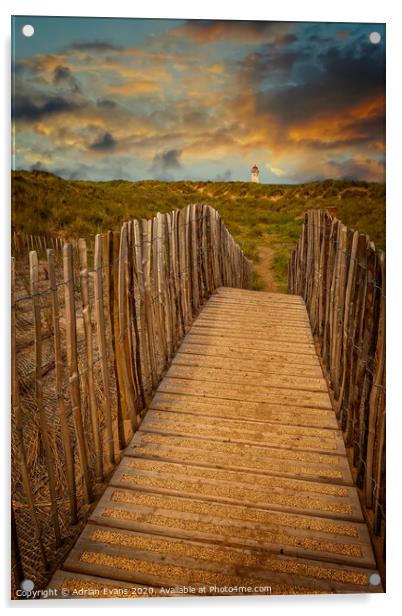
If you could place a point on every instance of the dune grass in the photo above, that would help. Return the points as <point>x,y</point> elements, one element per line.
<point>255,214</point>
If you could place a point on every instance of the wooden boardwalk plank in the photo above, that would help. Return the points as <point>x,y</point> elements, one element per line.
<point>226,485</point>
<point>254,393</point>
<point>259,319</point>
<point>235,525</point>
<point>251,342</point>
<point>224,375</point>
<point>267,332</point>
<point>232,306</point>
<point>240,456</point>
<point>269,357</point>
<point>251,411</point>
<point>327,441</point>
<point>153,559</point>
<point>186,358</point>
<point>238,475</point>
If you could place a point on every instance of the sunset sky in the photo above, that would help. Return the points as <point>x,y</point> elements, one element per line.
<point>136,99</point>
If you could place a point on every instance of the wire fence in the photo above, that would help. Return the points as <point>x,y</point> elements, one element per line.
<point>94,326</point>
<point>342,280</point>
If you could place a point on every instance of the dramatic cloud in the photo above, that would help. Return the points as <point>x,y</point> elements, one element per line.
<point>269,62</point>
<point>166,161</point>
<point>130,99</point>
<point>105,143</point>
<point>338,103</point>
<point>29,110</point>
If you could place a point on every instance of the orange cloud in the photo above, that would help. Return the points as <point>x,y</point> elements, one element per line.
<point>338,127</point>
<point>133,88</point>
<point>46,62</point>
<point>216,69</point>
<point>369,109</point>
<point>205,31</point>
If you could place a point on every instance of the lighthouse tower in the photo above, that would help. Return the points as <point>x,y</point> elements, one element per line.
<point>255,174</point>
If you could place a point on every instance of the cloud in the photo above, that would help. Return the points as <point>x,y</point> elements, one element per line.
<point>106,103</point>
<point>38,166</point>
<point>223,177</point>
<point>223,92</point>
<point>208,31</point>
<point>167,160</point>
<point>25,108</point>
<point>215,137</point>
<point>341,132</point>
<point>38,64</point>
<point>346,77</point>
<point>134,88</point>
<point>164,163</point>
<point>96,46</point>
<point>276,171</point>
<point>358,168</point>
<point>105,143</point>
<point>216,69</point>
<point>269,62</point>
<point>62,75</point>
<point>335,102</point>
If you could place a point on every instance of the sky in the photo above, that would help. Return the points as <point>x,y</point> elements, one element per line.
<point>135,99</point>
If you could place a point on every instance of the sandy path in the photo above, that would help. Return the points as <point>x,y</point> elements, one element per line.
<point>264,268</point>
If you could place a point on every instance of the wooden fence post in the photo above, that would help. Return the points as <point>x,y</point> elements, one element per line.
<point>130,394</point>
<point>143,334</point>
<point>86,312</point>
<point>61,406</point>
<point>101,336</point>
<point>193,233</point>
<point>349,309</point>
<point>150,325</point>
<point>111,269</point>
<point>158,288</point>
<point>72,361</point>
<point>338,308</point>
<point>171,288</point>
<point>133,318</point>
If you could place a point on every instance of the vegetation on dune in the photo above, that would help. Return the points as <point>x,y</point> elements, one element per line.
<point>255,214</point>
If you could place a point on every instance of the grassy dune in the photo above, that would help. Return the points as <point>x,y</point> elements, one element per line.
<point>256,214</point>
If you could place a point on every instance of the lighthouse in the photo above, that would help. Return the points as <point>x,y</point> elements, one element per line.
<point>255,174</point>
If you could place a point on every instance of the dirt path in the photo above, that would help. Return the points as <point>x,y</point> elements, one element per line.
<point>264,268</point>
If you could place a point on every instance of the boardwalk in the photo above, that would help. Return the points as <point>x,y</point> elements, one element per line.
<point>238,475</point>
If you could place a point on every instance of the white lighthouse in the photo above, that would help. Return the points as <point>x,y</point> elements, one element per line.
<point>255,174</point>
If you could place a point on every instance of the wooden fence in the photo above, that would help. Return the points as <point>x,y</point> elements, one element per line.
<point>93,330</point>
<point>342,280</point>
<point>22,243</point>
